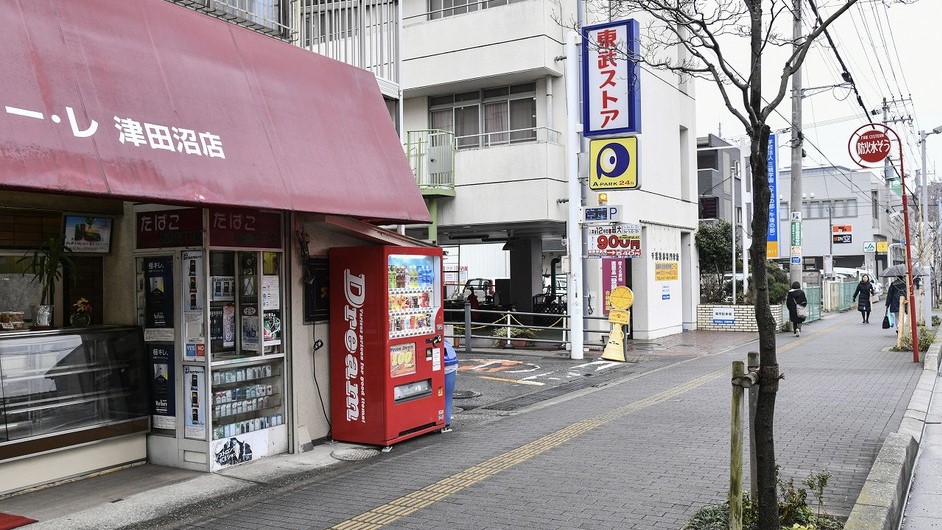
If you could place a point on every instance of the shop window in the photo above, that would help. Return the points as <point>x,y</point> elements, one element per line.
<point>245,316</point>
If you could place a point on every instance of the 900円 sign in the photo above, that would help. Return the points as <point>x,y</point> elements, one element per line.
<point>616,241</point>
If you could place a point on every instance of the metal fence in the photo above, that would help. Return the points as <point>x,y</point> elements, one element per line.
<point>507,329</point>
<point>813,293</point>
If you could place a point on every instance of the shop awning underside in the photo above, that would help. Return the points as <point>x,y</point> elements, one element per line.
<point>147,100</point>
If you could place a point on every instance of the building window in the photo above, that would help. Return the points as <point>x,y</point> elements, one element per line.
<point>487,117</point>
<point>447,8</point>
<point>709,207</point>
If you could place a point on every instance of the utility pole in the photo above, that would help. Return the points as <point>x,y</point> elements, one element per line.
<point>795,253</point>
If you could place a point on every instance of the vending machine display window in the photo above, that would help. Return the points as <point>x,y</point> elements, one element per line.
<point>411,295</point>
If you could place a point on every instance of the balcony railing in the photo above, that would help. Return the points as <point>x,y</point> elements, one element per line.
<point>431,154</point>
<point>263,16</point>
<point>532,134</point>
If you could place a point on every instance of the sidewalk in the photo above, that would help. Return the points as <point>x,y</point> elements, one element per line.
<point>903,489</point>
<point>146,491</point>
<point>612,476</point>
<point>924,504</point>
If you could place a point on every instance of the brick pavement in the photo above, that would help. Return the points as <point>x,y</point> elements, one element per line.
<point>651,467</point>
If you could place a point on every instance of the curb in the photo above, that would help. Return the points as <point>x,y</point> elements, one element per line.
<point>881,501</point>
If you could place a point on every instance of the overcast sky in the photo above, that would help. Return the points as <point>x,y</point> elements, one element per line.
<point>891,51</point>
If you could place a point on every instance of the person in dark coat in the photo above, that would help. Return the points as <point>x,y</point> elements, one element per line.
<point>796,297</point>
<point>864,290</point>
<point>896,292</point>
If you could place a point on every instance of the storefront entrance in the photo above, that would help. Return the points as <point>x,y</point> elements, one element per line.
<point>215,330</point>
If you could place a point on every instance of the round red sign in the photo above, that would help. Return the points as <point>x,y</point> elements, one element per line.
<point>873,146</point>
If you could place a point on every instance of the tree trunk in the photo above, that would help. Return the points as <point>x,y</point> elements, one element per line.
<point>768,363</point>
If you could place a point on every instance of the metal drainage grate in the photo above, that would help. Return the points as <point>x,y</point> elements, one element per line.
<point>353,455</point>
<point>465,394</point>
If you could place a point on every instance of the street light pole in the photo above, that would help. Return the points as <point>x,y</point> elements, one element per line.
<point>924,207</point>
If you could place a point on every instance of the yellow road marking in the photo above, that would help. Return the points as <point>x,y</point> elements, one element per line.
<point>506,380</point>
<point>417,500</point>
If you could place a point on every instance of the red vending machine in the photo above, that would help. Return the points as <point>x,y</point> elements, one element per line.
<point>386,352</point>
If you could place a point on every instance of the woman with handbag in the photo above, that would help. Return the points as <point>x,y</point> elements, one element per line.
<point>797,304</point>
<point>864,290</point>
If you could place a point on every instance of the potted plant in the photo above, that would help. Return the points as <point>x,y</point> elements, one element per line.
<point>45,264</point>
<point>518,336</point>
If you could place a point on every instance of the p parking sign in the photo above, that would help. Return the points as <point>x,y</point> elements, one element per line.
<point>613,163</point>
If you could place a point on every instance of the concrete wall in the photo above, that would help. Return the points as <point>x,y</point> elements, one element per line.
<point>745,318</point>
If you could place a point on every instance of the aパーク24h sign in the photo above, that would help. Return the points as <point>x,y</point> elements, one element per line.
<point>611,102</point>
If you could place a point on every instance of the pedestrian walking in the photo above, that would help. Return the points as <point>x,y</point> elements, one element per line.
<point>864,291</point>
<point>797,304</point>
<point>894,294</point>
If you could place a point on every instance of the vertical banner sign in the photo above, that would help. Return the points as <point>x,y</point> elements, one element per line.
<point>611,81</point>
<point>161,401</point>
<point>194,392</point>
<point>613,275</point>
<point>772,244</point>
<point>158,292</point>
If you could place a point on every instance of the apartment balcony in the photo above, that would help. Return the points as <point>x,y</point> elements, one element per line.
<point>508,177</point>
<point>431,154</point>
<point>494,44</point>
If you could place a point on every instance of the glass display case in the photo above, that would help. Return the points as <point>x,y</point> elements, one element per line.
<point>64,384</point>
<point>245,315</point>
<point>247,399</point>
<point>246,346</point>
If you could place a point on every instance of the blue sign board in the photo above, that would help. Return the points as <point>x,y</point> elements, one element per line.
<point>772,246</point>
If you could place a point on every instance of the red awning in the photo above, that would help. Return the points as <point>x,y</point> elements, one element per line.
<point>148,100</point>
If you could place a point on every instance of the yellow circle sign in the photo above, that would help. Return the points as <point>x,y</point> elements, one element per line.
<point>621,297</point>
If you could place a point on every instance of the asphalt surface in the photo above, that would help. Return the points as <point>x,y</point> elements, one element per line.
<point>643,446</point>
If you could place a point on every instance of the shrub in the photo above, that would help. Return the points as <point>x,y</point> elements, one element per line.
<point>926,338</point>
<point>794,512</point>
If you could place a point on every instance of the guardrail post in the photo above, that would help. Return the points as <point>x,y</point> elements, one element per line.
<point>735,449</point>
<point>507,343</point>
<point>565,343</point>
<point>467,328</point>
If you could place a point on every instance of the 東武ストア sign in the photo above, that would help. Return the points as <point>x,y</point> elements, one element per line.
<point>610,79</point>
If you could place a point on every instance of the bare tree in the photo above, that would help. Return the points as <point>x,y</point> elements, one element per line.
<point>692,38</point>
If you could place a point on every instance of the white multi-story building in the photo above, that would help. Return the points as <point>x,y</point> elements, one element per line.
<point>843,210</point>
<point>484,114</point>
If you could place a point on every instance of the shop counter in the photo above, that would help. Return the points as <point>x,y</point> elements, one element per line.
<point>69,387</point>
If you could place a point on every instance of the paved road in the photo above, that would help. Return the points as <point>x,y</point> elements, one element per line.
<point>641,451</point>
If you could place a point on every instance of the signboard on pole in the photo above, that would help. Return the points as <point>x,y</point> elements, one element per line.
<point>621,240</point>
<point>772,241</point>
<point>602,214</point>
<point>611,81</point>
<point>613,164</point>
<point>842,234</point>
<point>870,247</point>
